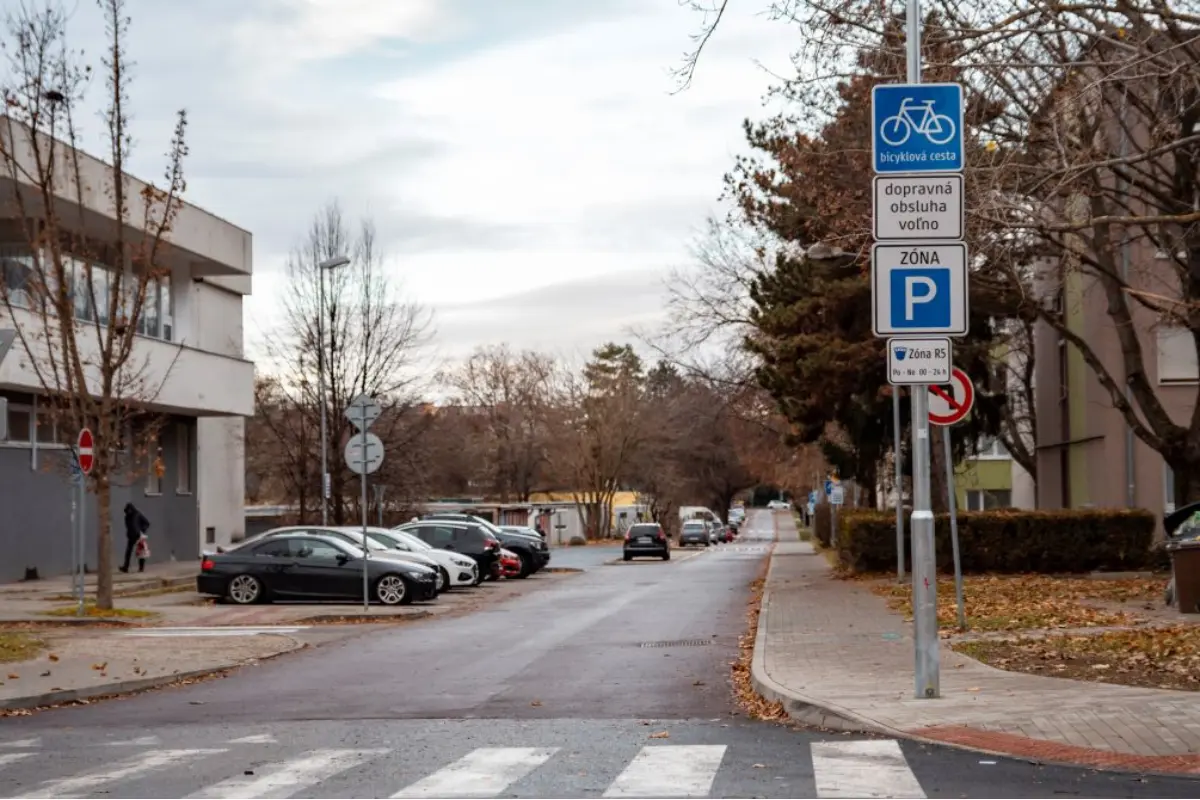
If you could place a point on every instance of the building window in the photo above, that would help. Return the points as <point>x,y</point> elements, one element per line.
<point>17,276</point>
<point>20,423</point>
<point>1176,355</point>
<point>991,447</point>
<point>987,499</point>
<point>183,445</point>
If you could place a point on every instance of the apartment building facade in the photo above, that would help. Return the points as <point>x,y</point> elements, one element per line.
<point>190,343</point>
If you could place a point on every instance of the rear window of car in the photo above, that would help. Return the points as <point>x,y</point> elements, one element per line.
<point>644,530</point>
<point>694,526</point>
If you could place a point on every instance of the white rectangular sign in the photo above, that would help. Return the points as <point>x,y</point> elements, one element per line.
<point>837,496</point>
<point>919,289</point>
<point>919,361</point>
<point>919,206</point>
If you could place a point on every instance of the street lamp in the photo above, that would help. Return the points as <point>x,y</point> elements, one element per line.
<point>322,267</point>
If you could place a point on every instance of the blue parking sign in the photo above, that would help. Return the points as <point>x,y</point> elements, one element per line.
<point>919,288</point>
<point>920,297</point>
<point>917,127</point>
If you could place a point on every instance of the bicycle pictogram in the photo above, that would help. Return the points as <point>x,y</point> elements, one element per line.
<point>936,128</point>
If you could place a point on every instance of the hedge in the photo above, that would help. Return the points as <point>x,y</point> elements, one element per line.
<point>1075,540</point>
<point>823,523</point>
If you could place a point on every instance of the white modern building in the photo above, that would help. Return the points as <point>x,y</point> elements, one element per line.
<point>190,346</point>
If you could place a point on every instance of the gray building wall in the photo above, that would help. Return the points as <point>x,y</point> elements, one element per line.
<point>35,521</point>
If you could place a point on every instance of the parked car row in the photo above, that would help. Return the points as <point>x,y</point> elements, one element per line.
<point>412,562</point>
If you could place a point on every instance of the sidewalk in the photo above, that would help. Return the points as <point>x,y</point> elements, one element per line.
<point>836,657</point>
<point>156,576</point>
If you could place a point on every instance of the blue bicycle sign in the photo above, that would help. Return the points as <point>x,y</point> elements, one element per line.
<point>937,128</point>
<point>917,127</point>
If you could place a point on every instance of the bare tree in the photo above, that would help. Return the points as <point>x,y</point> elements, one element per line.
<point>510,396</point>
<point>369,336</point>
<point>78,291</point>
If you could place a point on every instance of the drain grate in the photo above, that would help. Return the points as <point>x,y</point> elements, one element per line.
<point>678,643</point>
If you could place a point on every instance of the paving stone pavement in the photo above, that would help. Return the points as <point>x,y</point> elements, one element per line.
<point>836,656</point>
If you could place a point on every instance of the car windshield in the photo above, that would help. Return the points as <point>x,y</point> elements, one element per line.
<point>357,536</point>
<point>643,530</point>
<point>410,540</point>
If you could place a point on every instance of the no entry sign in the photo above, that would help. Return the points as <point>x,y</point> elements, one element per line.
<point>950,403</point>
<point>85,447</point>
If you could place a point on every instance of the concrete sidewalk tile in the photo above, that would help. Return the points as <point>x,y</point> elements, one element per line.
<point>831,650</point>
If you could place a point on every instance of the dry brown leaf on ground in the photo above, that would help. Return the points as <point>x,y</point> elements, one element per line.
<point>661,735</point>
<point>1167,657</point>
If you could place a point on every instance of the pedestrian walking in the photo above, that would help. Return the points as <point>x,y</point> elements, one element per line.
<point>136,526</point>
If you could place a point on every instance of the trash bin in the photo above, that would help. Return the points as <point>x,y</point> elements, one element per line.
<point>1185,568</point>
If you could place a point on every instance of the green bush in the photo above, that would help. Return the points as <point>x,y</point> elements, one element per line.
<point>1074,540</point>
<point>823,523</point>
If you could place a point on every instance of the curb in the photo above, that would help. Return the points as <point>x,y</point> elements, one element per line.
<point>107,690</point>
<point>810,711</point>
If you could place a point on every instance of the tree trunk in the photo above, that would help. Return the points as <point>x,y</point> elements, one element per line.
<point>104,580</point>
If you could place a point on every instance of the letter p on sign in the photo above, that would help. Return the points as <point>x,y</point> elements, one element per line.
<point>920,297</point>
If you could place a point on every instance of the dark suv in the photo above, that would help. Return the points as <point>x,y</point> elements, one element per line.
<point>529,547</point>
<point>468,538</point>
<point>647,539</point>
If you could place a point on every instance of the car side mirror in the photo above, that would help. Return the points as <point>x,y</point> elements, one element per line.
<point>342,558</point>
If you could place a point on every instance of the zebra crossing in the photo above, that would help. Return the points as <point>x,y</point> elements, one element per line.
<point>839,768</point>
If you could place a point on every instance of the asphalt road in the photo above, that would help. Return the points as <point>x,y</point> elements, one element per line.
<point>614,683</point>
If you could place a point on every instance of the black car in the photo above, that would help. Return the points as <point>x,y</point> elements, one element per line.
<point>468,538</point>
<point>529,547</point>
<point>647,539</point>
<point>305,566</point>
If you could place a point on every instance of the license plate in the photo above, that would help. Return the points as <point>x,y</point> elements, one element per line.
<point>644,539</point>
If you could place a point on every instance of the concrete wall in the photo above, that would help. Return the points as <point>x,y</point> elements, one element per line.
<point>221,478</point>
<point>37,512</point>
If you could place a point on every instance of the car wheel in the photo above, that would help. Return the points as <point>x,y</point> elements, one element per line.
<point>667,556</point>
<point>526,566</point>
<point>392,590</point>
<point>628,557</point>
<point>443,580</point>
<point>244,590</point>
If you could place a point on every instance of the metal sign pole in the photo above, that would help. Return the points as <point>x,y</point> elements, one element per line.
<point>75,512</point>
<point>81,523</point>
<point>899,486</point>
<point>925,625</point>
<point>366,548</point>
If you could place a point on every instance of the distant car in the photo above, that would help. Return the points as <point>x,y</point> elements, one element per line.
<point>306,566</point>
<point>694,531</point>
<point>530,547</point>
<point>457,569</point>
<point>779,505</point>
<point>646,539</point>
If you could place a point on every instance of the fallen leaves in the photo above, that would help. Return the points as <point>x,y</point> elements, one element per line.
<point>18,646</point>
<point>1022,602</point>
<point>1164,658</point>
<point>755,705</point>
<point>661,735</point>
<point>536,703</point>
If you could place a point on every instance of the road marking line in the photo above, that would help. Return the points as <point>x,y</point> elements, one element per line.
<point>685,770</point>
<point>257,738</point>
<point>34,742</point>
<point>283,780</point>
<point>12,758</point>
<point>485,772</point>
<point>869,768</point>
<point>81,785</point>
<point>141,741</point>
<point>231,630</point>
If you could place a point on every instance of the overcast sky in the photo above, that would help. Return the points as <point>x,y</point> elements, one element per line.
<point>531,176</point>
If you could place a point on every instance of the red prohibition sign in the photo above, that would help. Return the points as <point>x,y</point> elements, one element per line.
<point>87,455</point>
<point>948,406</point>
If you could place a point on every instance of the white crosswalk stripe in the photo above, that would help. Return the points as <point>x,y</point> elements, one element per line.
<point>22,742</point>
<point>134,767</point>
<point>290,776</point>
<point>12,758</point>
<point>670,771</point>
<point>872,768</point>
<point>840,769</point>
<point>485,772</point>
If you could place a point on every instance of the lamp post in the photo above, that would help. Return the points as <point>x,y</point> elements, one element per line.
<point>322,267</point>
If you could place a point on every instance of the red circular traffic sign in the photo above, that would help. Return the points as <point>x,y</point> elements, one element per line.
<point>951,403</point>
<point>86,451</point>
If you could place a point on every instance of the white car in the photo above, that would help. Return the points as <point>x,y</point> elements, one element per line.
<point>355,536</point>
<point>779,505</point>
<point>459,570</point>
